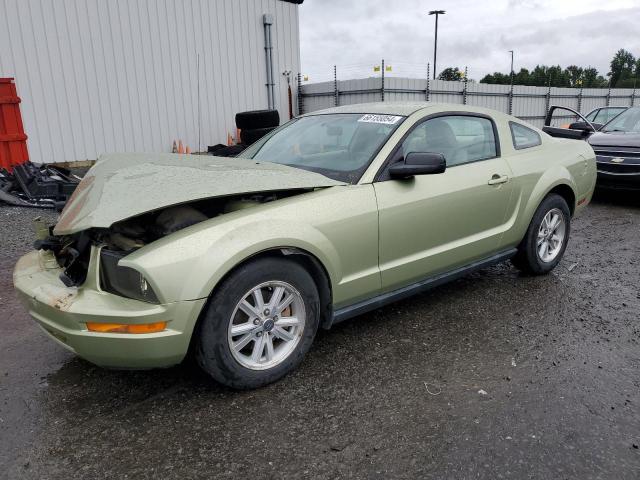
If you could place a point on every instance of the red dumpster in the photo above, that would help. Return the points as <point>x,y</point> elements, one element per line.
<point>13,141</point>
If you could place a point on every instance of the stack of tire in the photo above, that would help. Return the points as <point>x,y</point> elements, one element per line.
<point>256,124</point>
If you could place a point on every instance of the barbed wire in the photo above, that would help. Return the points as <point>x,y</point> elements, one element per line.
<point>392,68</point>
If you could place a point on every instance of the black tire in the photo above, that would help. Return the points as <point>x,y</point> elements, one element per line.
<point>247,137</point>
<point>214,148</point>
<point>528,259</point>
<point>257,119</point>
<point>230,151</point>
<point>213,351</point>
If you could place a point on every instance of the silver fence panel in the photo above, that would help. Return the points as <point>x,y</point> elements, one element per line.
<point>488,96</point>
<point>529,103</point>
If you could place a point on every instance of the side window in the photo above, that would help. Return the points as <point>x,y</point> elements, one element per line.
<point>592,115</point>
<point>602,116</point>
<point>611,113</point>
<point>460,138</point>
<point>523,137</point>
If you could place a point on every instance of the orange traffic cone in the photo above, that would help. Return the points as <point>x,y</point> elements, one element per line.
<point>188,150</point>
<point>229,140</point>
<point>180,147</point>
<point>174,149</point>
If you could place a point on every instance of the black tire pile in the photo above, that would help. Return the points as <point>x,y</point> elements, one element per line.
<point>256,124</point>
<point>253,125</point>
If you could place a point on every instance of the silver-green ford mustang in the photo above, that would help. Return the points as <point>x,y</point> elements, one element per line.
<point>333,214</point>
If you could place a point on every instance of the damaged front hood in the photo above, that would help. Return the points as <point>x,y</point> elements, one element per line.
<point>121,186</point>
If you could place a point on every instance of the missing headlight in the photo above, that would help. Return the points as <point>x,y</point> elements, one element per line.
<point>123,281</point>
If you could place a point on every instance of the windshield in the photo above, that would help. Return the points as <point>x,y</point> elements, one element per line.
<point>339,146</point>
<point>627,121</point>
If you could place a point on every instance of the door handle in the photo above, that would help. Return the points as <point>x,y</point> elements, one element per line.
<point>498,179</point>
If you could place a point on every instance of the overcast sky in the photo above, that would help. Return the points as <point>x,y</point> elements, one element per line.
<point>356,34</point>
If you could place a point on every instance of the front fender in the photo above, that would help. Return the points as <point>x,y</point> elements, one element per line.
<point>189,266</point>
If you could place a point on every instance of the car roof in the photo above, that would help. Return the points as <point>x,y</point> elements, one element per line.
<point>405,108</point>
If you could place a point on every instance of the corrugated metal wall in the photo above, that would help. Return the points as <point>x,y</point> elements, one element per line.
<point>121,75</point>
<point>528,103</point>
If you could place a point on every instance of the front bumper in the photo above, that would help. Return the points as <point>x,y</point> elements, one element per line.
<point>624,174</point>
<point>621,181</point>
<point>62,312</point>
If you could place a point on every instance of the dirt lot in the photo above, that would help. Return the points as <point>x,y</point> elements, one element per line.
<point>493,376</point>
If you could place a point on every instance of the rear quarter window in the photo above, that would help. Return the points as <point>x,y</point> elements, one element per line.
<point>524,137</point>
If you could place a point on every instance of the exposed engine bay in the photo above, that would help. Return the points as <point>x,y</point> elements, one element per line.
<point>72,251</point>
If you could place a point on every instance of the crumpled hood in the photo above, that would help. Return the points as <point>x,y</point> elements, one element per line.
<point>121,186</point>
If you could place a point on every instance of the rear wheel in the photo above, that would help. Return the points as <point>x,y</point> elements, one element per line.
<point>547,236</point>
<point>259,324</point>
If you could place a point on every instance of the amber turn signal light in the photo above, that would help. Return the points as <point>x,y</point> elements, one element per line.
<point>124,328</point>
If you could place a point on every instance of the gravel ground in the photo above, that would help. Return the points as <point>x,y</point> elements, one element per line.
<point>493,376</point>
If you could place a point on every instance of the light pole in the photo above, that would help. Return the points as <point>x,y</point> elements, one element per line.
<point>511,71</point>
<point>511,88</point>
<point>435,43</point>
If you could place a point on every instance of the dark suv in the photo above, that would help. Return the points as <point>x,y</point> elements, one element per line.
<point>616,144</point>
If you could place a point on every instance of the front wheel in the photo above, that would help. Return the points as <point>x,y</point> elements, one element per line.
<point>547,236</point>
<point>259,324</point>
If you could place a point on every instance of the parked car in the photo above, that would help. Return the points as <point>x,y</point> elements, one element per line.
<point>329,216</point>
<point>617,148</point>
<point>596,118</point>
<point>602,115</point>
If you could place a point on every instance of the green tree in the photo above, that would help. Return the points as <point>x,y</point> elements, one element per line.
<point>574,75</point>
<point>523,77</point>
<point>557,77</point>
<point>590,78</point>
<point>451,73</point>
<point>625,72</point>
<point>496,78</point>
<point>623,65</point>
<point>540,76</point>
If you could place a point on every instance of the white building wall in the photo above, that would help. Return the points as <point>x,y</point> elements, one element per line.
<point>101,76</point>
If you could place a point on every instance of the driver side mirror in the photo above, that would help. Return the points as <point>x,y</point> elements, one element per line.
<point>418,163</point>
<point>584,126</point>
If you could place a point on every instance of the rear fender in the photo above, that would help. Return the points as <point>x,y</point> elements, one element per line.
<point>558,175</point>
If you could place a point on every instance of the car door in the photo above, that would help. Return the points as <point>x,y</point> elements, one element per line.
<point>430,224</point>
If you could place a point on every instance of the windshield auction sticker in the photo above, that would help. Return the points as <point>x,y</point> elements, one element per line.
<point>386,119</point>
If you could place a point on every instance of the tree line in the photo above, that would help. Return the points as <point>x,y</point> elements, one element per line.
<point>624,71</point>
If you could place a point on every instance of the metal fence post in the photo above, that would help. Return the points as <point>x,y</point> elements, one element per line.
<point>335,85</point>
<point>382,86</point>
<point>427,89</point>
<point>300,101</point>
<point>464,90</point>
<point>580,100</point>
<point>633,93</point>
<point>547,99</point>
<point>608,96</point>
<point>510,106</point>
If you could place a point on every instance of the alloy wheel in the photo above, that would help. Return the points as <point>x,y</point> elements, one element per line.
<point>551,235</point>
<point>266,325</point>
